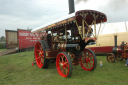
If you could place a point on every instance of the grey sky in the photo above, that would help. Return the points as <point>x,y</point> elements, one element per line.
<point>34,13</point>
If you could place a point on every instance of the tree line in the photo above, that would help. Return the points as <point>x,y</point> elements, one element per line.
<point>2,39</point>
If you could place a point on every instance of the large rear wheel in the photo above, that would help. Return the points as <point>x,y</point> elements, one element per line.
<point>64,64</point>
<point>88,60</point>
<point>39,52</point>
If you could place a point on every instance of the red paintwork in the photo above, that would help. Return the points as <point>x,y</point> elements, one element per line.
<point>62,65</point>
<point>105,49</point>
<point>26,39</point>
<point>88,61</point>
<point>39,55</point>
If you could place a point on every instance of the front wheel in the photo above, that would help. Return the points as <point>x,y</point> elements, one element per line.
<point>88,60</point>
<point>64,64</point>
<point>111,57</point>
<point>119,57</point>
<point>39,53</point>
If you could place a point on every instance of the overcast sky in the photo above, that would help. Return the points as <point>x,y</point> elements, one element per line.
<point>34,13</point>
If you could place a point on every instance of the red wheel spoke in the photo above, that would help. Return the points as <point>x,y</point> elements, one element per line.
<point>63,63</point>
<point>41,48</point>
<point>62,58</point>
<point>42,59</point>
<point>37,50</point>
<point>88,63</point>
<point>66,70</point>
<point>40,63</point>
<point>66,63</point>
<point>62,70</point>
<point>38,57</point>
<point>84,64</point>
<point>60,62</point>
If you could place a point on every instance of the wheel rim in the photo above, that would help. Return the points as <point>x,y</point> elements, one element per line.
<point>62,65</point>
<point>39,55</point>
<point>110,58</point>
<point>87,60</point>
<point>119,57</point>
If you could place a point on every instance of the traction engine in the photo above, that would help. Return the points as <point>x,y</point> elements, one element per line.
<point>118,52</point>
<point>65,40</point>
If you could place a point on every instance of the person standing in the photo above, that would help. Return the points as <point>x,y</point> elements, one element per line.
<point>126,64</point>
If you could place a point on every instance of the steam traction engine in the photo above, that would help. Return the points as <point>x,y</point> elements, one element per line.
<point>118,52</point>
<point>65,40</point>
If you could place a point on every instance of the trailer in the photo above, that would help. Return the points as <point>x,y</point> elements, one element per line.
<point>21,39</point>
<point>11,39</point>
<point>105,43</point>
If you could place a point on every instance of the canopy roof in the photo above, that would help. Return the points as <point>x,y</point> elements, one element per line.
<point>87,15</point>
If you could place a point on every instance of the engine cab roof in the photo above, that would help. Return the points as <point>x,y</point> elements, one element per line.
<point>88,15</point>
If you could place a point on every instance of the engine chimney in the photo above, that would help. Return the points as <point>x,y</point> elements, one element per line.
<point>117,49</point>
<point>115,40</point>
<point>71,6</point>
<point>114,50</point>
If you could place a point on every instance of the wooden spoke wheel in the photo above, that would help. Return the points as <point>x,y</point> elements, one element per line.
<point>111,57</point>
<point>39,52</point>
<point>119,57</point>
<point>88,60</point>
<point>64,64</point>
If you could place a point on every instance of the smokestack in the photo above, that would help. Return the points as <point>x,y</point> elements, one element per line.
<point>117,49</point>
<point>114,50</point>
<point>115,40</point>
<point>71,6</point>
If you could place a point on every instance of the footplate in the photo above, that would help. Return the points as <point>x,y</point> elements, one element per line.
<point>51,53</point>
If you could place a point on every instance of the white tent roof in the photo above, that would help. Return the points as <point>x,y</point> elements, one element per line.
<point>115,27</point>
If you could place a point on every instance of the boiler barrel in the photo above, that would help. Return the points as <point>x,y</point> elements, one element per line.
<point>66,47</point>
<point>72,47</point>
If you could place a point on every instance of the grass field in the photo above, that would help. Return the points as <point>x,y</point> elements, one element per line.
<point>2,50</point>
<point>16,69</point>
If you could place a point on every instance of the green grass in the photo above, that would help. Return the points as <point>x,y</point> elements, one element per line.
<point>16,69</point>
<point>2,50</point>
